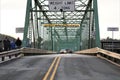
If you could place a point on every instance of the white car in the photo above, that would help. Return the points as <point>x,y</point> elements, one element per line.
<point>62,51</point>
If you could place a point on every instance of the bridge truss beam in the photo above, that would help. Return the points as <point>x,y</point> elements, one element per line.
<point>55,38</point>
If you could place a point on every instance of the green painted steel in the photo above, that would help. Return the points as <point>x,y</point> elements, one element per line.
<point>95,6</point>
<point>29,6</point>
<point>61,37</point>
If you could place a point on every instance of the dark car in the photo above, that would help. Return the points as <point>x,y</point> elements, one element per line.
<point>69,51</point>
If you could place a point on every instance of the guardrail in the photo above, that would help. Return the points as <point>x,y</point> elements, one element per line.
<point>111,56</point>
<point>105,54</point>
<point>10,54</point>
<point>35,51</point>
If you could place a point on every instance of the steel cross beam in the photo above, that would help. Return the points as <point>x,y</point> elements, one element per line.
<point>57,33</point>
<point>59,11</point>
<point>61,19</point>
<point>39,5</point>
<point>44,13</point>
<point>89,3</point>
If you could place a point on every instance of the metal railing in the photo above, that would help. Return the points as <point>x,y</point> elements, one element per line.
<point>108,55</point>
<point>8,55</point>
<point>105,54</point>
<point>111,56</point>
<point>12,54</point>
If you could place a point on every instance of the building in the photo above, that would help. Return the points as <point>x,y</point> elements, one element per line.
<point>111,45</point>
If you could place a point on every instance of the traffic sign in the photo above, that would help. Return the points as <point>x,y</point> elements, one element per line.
<point>19,30</point>
<point>113,29</point>
<point>61,5</point>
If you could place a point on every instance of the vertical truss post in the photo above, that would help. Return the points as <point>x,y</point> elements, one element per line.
<point>97,36</point>
<point>89,39</point>
<point>80,37</point>
<point>65,27</point>
<point>29,5</point>
<point>36,24</point>
<point>51,38</point>
<point>32,26</point>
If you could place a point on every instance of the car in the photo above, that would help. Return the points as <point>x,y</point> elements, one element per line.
<point>69,51</point>
<point>63,51</point>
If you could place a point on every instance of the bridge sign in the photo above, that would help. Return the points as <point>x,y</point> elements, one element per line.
<point>19,30</point>
<point>113,29</point>
<point>61,5</point>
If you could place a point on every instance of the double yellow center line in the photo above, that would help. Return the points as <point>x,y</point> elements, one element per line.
<point>54,65</point>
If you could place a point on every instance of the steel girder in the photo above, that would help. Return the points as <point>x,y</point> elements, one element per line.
<point>85,14</point>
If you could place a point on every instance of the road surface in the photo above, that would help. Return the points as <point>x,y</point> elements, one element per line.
<point>59,67</point>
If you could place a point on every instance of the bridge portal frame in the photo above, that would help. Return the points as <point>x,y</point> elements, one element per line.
<point>37,13</point>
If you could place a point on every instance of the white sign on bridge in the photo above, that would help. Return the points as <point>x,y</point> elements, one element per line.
<point>113,29</point>
<point>61,5</point>
<point>19,30</point>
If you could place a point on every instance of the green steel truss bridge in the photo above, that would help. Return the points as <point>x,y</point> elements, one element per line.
<point>84,13</point>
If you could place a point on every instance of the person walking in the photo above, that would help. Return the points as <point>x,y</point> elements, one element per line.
<point>1,45</point>
<point>6,43</point>
<point>12,44</point>
<point>18,43</point>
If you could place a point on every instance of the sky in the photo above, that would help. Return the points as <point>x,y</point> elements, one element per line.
<point>12,15</point>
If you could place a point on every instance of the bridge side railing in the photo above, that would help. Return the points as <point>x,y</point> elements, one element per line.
<point>23,52</point>
<point>111,56</point>
<point>107,55</point>
<point>10,54</point>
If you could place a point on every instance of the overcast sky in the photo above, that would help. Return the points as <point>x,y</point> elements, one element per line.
<point>12,15</point>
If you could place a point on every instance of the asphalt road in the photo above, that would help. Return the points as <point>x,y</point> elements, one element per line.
<point>59,67</point>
